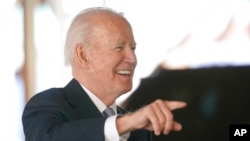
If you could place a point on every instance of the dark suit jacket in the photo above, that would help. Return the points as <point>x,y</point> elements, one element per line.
<point>67,114</point>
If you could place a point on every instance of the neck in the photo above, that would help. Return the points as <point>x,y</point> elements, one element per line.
<point>99,92</point>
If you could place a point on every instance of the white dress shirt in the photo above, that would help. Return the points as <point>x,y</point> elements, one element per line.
<point>110,130</point>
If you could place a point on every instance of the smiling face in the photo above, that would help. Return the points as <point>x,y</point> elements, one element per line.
<point>111,60</point>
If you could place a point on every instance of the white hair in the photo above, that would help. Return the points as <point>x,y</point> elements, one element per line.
<point>81,29</point>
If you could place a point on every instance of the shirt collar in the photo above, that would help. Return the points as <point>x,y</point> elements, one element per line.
<point>98,103</point>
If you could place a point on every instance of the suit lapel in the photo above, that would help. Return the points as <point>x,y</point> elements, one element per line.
<point>120,110</point>
<point>83,108</point>
<point>80,102</point>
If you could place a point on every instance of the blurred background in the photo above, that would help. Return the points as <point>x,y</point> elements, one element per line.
<point>179,34</point>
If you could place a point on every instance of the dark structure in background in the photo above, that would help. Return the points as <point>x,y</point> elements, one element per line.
<point>216,97</point>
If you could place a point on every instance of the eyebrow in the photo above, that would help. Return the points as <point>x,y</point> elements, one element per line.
<point>123,43</point>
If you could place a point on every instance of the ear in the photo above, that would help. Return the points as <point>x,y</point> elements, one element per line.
<point>81,55</point>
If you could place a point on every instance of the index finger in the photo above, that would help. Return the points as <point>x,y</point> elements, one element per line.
<point>172,105</point>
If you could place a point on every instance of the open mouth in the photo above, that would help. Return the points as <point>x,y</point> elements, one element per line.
<point>124,72</point>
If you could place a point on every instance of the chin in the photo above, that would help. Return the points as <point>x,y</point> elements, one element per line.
<point>123,90</point>
<point>127,90</point>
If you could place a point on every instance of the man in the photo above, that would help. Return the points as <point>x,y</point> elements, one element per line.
<point>100,48</point>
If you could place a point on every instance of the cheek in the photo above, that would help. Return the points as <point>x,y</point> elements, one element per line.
<point>106,66</point>
<point>110,61</point>
<point>106,63</point>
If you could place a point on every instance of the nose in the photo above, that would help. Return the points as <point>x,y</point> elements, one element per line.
<point>130,56</point>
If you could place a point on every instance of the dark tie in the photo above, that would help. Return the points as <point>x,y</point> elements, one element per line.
<point>108,112</point>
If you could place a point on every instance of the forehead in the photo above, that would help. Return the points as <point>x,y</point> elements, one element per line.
<point>113,27</point>
<point>109,19</point>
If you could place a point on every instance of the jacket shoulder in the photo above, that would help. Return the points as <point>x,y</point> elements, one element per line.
<point>47,96</point>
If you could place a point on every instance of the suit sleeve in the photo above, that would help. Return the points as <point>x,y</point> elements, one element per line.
<point>48,119</point>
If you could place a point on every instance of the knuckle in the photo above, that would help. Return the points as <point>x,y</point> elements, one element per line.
<point>162,121</point>
<point>170,117</point>
<point>149,108</point>
<point>158,101</point>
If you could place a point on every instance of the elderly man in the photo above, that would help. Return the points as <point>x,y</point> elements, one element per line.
<point>100,48</point>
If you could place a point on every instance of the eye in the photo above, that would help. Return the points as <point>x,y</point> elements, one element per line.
<point>133,48</point>
<point>118,48</point>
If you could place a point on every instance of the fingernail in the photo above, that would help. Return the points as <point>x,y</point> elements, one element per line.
<point>166,132</point>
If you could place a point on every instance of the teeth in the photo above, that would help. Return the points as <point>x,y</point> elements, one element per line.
<point>124,72</point>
